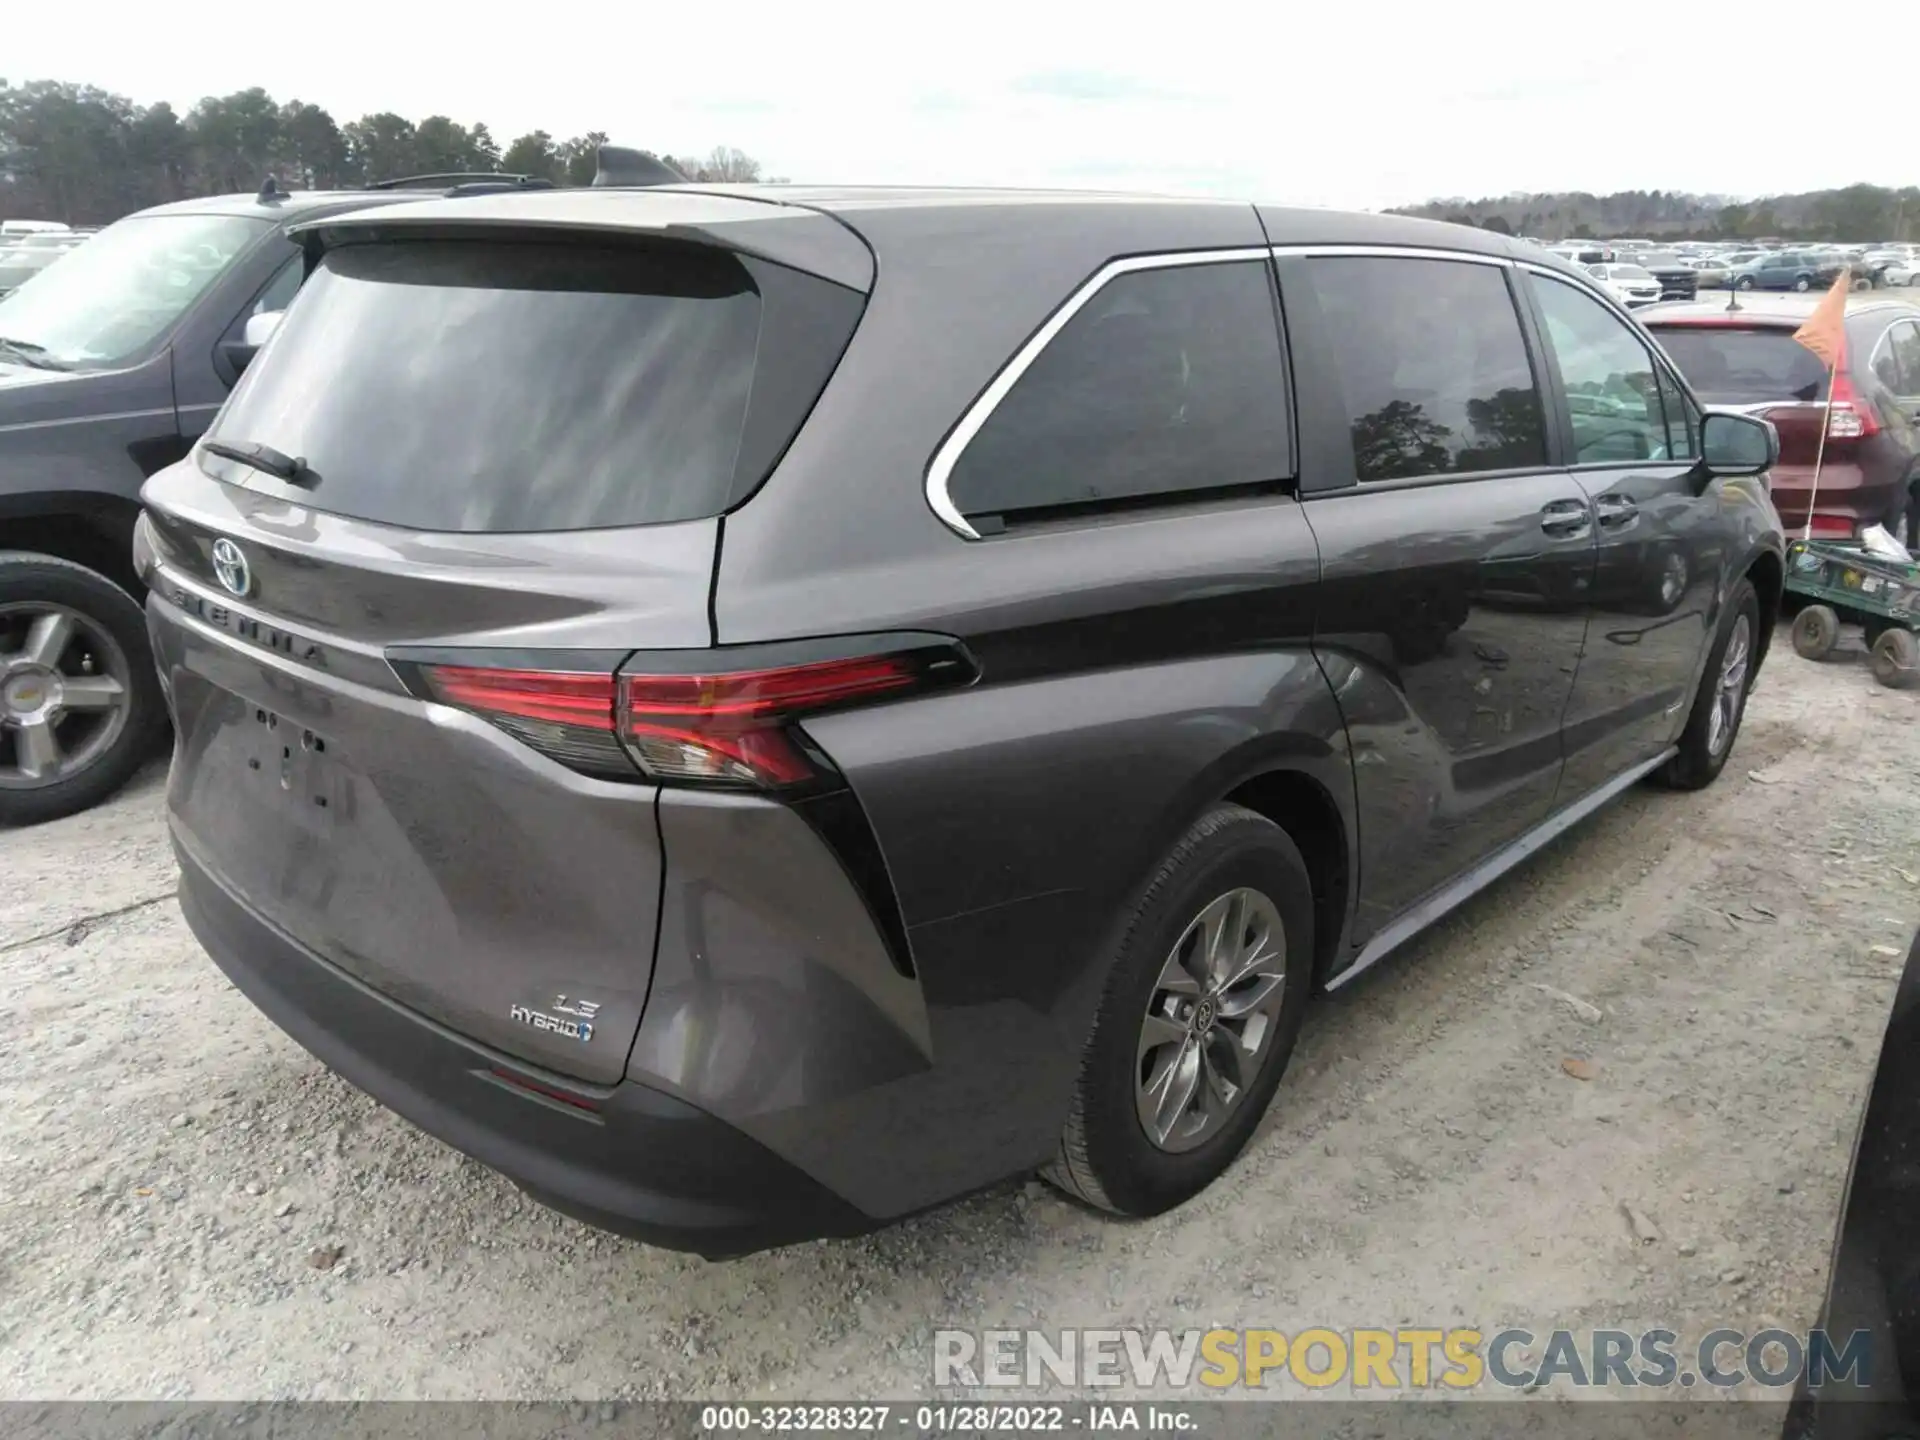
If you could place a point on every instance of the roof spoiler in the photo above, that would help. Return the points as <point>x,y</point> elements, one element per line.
<point>622,166</point>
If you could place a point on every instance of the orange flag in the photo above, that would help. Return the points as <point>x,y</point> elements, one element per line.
<point>1825,332</point>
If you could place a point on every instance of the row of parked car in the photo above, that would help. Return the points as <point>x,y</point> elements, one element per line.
<point>1640,274</point>
<point>30,247</point>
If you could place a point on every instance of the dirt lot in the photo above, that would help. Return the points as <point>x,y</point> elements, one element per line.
<point>169,1162</point>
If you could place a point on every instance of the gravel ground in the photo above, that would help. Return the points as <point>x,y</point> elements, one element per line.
<point>194,1207</point>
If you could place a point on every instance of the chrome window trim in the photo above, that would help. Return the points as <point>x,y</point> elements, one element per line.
<point>1391,252</point>
<point>940,469</point>
<point>947,456</point>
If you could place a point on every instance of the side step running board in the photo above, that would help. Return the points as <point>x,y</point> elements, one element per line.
<point>1392,936</point>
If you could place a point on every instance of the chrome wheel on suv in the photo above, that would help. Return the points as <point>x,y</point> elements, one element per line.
<point>1213,1010</point>
<point>63,693</point>
<point>79,699</point>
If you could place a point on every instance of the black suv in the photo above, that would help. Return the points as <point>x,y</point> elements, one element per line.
<point>111,364</point>
<point>756,711</point>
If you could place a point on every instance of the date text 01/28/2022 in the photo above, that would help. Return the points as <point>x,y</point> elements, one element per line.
<point>972,1419</point>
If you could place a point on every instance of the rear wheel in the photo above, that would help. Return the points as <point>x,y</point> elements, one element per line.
<point>80,705</point>
<point>1802,283</point>
<point>1896,657</point>
<point>1201,1011</point>
<point>1816,630</point>
<point>1721,701</point>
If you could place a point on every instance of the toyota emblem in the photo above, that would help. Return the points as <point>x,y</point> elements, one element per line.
<point>230,567</point>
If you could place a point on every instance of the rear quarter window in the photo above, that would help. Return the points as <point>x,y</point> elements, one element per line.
<point>483,385</point>
<point>1165,383</point>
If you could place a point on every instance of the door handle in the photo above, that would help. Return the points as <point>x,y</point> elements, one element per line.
<point>1566,519</point>
<point>1615,511</point>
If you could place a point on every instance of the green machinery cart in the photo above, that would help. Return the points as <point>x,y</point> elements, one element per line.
<point>1843,581</point>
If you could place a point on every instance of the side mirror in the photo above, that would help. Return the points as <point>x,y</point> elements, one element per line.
<point>1732,444</point>
<point>257,331</point>
<point>260,328</point>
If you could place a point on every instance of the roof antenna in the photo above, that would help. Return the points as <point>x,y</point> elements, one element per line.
<point>270,193</point>
<point>619,165</point>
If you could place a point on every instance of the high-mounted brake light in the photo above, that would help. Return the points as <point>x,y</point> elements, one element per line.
<point>713,727</point>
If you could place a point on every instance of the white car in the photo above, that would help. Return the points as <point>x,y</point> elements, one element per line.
<point>1631,285</point>
<point>1902,265</point>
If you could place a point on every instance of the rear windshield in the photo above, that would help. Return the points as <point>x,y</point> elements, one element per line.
<point>1728,366</point>
<point>469,386</point>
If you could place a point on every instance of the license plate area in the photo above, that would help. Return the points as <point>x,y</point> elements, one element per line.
<point>298,764</point>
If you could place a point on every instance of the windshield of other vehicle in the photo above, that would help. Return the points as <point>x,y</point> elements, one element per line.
<point>1731,366</point>
<point>111,298</point>
<point>1630,272</point>
<point>20,265</point>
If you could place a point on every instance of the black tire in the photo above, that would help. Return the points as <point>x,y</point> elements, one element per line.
<point>1698,764</point>
<point>1816,629</point>
<point>1106,1157</point>
<point>1801,283</point>
<point>28,579</point>
<point>1896,658</point>
<point>1745,282</point>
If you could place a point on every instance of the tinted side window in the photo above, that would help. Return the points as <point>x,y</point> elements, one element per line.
<point>281,289</point>
<point>1165,382</point>
<point>1612,396</point>
<point>1898,360</point>
<point>1432,366</point>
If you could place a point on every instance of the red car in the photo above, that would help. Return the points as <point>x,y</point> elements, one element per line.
<point>1747,359</point>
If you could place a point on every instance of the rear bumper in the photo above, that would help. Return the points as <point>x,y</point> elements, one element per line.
<point>1847,492</point>
<point>639,1162</point>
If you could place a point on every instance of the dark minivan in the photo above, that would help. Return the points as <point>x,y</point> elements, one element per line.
<point>757,711</point>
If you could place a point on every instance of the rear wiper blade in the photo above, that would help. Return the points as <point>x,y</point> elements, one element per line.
<point>32,354</point>
<point>291,468</point>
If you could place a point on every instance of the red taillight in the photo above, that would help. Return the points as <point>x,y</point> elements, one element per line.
<point>558,697</point>
<point>727,727</point>
<point>730,726</point>
<point>1849,417</point>
<point>565,715</point>
<point>1831,527</point>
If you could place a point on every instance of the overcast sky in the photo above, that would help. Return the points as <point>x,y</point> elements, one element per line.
<point>1331,103</point>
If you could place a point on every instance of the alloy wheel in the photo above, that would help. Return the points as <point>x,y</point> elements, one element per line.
<point>1731,692</point>
<point>65,690</point>
<point>1214,1008</point>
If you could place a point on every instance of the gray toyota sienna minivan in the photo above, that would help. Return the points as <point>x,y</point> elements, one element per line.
<point>755,711</point>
